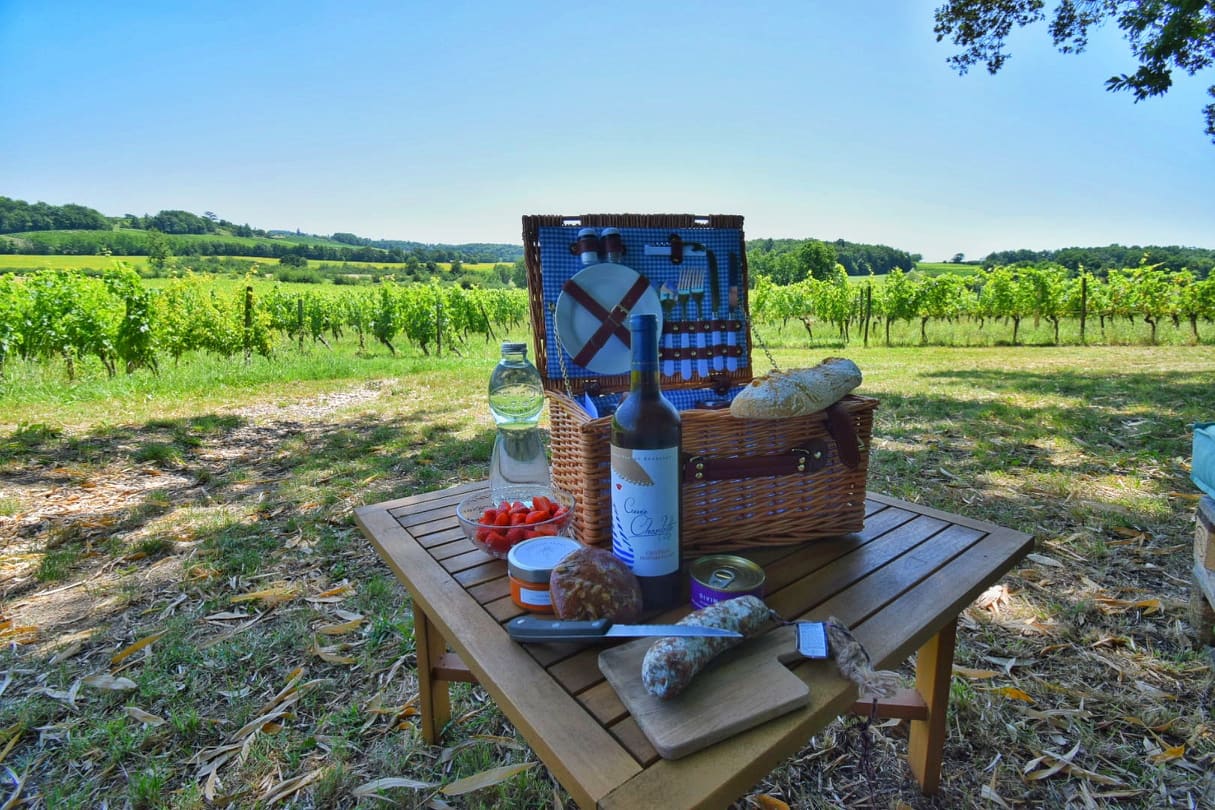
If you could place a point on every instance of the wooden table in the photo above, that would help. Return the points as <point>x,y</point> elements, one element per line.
<point>900,584</point>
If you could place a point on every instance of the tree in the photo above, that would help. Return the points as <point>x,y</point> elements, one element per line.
<point>158,250</point>
<point>815,260</point>
<point>1164,35</point>
<point>958,258</point>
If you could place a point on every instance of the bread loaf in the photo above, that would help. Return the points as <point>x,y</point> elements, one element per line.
<point>798,391</point>
<point>592,583</point>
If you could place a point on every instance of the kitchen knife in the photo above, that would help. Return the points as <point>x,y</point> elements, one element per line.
<point>733,278</point>
<point>533,629</point>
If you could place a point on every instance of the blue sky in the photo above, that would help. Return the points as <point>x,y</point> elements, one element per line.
<point>447,121</point>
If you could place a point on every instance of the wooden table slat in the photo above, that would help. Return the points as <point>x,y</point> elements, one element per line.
<point>446,534</point>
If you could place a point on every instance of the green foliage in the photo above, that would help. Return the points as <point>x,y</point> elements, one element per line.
<point>1006,293</point>
<point>1164,35</point>
<point>815,259</point>
<point>1099,260</point>
<point>179,222</point>
<point>68,316</point>
<point>18,215</point>
<point>767,257</point>
<point>158,249</point>
<point>135,342</point>
<point>13,303</point>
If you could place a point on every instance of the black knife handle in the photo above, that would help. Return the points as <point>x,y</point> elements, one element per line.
<point>533,628</point>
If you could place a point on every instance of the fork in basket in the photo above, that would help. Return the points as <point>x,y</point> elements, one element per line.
<point>698,297</point>
<point>684,290</point>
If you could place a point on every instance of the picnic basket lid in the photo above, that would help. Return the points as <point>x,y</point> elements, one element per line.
<point>656,248</point>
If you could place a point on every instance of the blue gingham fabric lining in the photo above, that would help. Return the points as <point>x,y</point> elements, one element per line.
<point>558,264</point>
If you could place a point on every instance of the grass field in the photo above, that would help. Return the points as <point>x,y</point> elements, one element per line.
<point>26,263</point>
<point>188,610</point>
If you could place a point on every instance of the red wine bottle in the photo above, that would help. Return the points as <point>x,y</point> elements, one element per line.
<point>645,474</point>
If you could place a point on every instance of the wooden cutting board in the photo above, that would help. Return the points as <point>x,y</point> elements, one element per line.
<point>741,688</point>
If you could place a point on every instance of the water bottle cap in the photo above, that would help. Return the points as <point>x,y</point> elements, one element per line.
<point>513,347</point>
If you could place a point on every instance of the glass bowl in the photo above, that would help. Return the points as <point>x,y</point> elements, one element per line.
<point>494,525</point>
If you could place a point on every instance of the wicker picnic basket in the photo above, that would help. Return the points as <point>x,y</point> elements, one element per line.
<point>748,483</point>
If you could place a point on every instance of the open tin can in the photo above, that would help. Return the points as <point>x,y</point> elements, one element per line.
<point>724,576</point>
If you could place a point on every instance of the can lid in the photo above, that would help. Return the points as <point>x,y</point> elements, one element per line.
<point>533,560</point>
<point>727,573</point>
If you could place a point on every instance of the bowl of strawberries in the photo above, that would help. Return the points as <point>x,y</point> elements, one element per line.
<point>496,522</point>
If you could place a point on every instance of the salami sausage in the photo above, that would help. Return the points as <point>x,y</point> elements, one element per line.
<point>671,663</point>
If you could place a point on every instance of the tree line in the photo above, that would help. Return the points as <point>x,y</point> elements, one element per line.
<point>39,224</point>
<point>17,216</point>
<point>785,261</point>
<point>1200,261</point>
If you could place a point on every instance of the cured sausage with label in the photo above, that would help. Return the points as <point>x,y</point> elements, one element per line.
<point>671,663</point>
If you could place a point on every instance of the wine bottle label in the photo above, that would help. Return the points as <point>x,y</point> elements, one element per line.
<point>645,509</point>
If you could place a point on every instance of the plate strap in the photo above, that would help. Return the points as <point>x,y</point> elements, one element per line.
<point>611,322</point>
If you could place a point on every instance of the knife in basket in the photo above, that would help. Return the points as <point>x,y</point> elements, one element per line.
<point>533,629</point>
<point>733,278</point>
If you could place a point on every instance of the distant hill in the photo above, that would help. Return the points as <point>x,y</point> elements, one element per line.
<point>72,229</point>
<point>43,229</point>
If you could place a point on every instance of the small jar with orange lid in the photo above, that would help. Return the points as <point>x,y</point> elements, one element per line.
<point>530,564</point>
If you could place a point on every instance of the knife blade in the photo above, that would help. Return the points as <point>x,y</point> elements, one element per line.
<point>714,288</point>
<point>734,279</point>
<point>534,629</point>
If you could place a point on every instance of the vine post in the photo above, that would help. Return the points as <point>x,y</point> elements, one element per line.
<point>1083,307</point>
<point>438,327</point>
<point>248,335</point>
<point>299,320</point>
<point>868,309</point>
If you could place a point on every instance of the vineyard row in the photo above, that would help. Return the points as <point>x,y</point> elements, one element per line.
<point>64,315</point>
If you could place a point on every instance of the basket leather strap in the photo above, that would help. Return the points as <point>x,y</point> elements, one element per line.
<point>843,430</point>
<point>806,458</point>
<point>611,322</point>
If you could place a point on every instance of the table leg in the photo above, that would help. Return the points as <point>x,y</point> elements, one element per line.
<point>933,670</point>
<point>433,693</point>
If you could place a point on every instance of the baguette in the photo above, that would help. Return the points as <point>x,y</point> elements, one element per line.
<point>797,392</point>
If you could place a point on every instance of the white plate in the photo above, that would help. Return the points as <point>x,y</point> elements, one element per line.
<point>606,283</point>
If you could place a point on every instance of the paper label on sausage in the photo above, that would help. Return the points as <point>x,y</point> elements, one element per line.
<point>645,509</point>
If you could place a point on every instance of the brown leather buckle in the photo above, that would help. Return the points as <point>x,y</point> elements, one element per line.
<point>809,458</point>
<point>842,429</point>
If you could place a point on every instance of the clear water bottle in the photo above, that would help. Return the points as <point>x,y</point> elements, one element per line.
<point>516,397</point>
